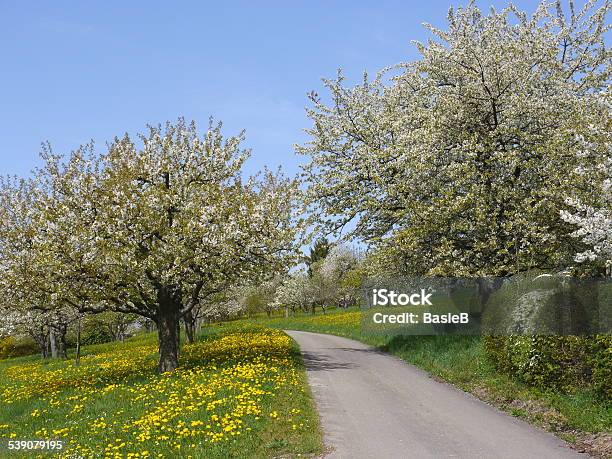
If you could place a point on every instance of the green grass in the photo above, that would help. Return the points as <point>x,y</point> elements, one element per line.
<point>461,361</point>
<point>246,378</point>
<point>56,387</point>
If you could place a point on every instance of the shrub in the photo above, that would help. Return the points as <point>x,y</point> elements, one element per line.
<point>17,347</point>
<point>600,359</point>
<point>527,317</point>
<point>7,347</point>
<point>495,349</point>
<point>563,363</point>
<point>91,334</point>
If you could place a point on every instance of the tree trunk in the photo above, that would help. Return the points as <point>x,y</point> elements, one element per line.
<point>167,321</point>
<point>178,335</point>
<point>77,358</point>
<point>63,346</point>
<point>111,330</point>
<point>122,330</point>
<point>190,326</point>
<point>47,345</point>
<point>53,345</point>
<point>149,325</point>
<point>44,348</point>
<point>42,340</point>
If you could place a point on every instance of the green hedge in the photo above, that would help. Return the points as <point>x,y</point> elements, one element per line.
<point>12,347</point>
<point>561,362</point>
<point>600,360</point>
<point>527,318</point>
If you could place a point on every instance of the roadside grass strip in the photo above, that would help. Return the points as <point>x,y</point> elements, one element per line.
<point>579,417</point>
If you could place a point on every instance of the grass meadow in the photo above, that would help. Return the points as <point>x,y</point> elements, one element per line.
<point>241,391</point>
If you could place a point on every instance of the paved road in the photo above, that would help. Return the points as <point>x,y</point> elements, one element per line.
<point>373,405</point>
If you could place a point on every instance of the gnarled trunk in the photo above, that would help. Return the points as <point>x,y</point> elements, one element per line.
<point>190,326</point>
<point>63,345</point>
<point>53,344</point>
<point>57,341</point>
<point>41,337</point>
<point>77,357</point>
<point>167,321</point>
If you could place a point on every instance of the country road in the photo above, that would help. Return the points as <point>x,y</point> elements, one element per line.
<point>373,405</point>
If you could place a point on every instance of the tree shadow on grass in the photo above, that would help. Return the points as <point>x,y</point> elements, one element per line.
<point>437,343</point>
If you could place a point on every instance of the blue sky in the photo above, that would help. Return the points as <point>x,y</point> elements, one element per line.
<point>75,71</point>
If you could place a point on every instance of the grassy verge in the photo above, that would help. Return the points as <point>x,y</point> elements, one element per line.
<point>580,417</point>
<point>241,392</point>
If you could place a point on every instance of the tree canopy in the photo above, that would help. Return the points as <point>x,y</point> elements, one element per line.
<point>149,229</point>
<point>460,162</point>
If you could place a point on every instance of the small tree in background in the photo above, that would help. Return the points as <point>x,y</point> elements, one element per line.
<point>341,270</point>
<point>295,293</point>
<point>318,252</point>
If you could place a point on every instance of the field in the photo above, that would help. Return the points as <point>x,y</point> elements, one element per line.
<point>461,361</point>
<point>240,392</point>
